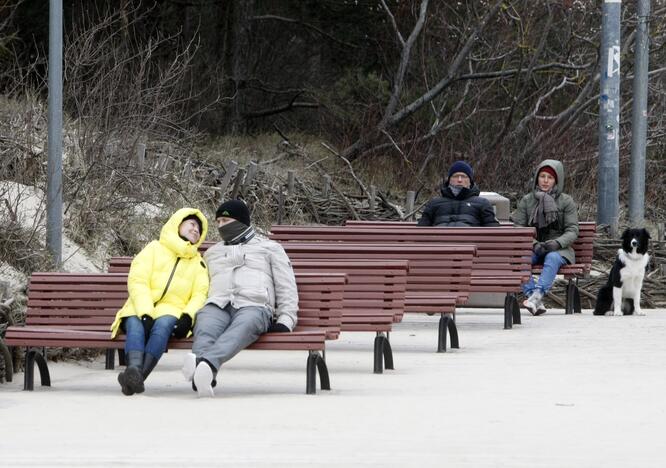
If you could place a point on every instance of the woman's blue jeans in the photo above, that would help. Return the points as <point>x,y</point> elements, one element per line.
<point>551,262</point>
<point>157,340</point>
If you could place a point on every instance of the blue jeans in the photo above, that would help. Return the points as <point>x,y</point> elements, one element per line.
<point>157,340</point>
<point>551,262</point>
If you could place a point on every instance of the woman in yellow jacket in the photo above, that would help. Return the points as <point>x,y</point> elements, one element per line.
<point>167,285</point>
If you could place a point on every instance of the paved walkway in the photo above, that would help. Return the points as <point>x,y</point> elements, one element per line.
<point>557,391</point>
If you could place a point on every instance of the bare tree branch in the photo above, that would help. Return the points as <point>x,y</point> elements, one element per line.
<point>306,25</point>
<point>404,62</point>
<point>453,69</point>
<point>395,26</point>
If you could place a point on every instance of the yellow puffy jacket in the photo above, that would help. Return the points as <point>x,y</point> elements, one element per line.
<point>152,267</point>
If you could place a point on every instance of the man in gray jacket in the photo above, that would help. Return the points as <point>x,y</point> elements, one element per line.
<point>252,291</point>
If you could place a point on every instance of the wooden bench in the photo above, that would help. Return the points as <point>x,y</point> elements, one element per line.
<point>373,300</point>
<point>438,279</point>
<point>502,262</point>
<point>76,310</point>
<point>584,249</point>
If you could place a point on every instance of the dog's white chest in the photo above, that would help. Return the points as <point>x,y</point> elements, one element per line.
<point>632,272</point>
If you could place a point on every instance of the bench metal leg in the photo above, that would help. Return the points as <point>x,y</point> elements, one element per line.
<point>316,363</point>
<point>378,358</point>
<point>446,323</point>
<point>110,362</point>
<point>515,310</point>
<point>383,355</point>
<point>7,358</point>
<point>388,353</point>
<point>32,356</point>
<point>453,332</point>
<point>324,380</point>
<point>508,312</point>
<point>576,300</point>
<point>573,298</point>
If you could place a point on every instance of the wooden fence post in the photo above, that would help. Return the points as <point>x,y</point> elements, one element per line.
<point>249,177</point>
<point>409,205</point>
<point>230,168</point>
<point>280,206</point>
<point>237,183</point>
<point>326,187</point>
<point>140,156</point>
<point>371,201</point>
<point>162,162</point>
<point>290,182</point>
<point>661,243</point>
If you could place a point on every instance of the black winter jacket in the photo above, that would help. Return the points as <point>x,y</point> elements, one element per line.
<point>467,209</point>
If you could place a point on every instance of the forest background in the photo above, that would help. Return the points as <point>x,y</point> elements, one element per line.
<point>312,111</point>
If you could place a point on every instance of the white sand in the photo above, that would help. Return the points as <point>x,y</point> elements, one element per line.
<point>29,205</point>
<point>557,391</point>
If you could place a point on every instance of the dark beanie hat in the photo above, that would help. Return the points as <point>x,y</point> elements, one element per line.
<point>196,218</point>
<point>548,170</point>
<point>461,166</point>
<point>235,209</point>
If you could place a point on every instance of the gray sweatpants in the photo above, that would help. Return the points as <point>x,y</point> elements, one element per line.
<point>220,334</point>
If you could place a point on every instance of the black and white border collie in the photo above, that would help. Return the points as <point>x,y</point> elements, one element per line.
<point>623,289</point>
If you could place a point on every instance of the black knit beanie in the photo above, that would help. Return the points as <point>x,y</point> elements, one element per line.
<point>235,209</point>
<point>461,166</point>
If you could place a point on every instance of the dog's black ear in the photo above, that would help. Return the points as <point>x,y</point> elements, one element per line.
<point>626,234</point>
<point>647,233</point>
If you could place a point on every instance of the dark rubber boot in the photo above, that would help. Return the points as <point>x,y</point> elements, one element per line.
<point>149,363</point>
<point>131,381</point>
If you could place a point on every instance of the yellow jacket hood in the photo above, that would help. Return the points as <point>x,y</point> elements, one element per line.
<point>170,238</point>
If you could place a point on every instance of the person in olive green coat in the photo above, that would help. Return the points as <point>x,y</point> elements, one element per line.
<point>554,214</point>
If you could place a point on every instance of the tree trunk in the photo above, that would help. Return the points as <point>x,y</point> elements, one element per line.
<point>242,14</point>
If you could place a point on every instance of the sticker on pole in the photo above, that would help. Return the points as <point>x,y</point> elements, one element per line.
<point>613,66</point>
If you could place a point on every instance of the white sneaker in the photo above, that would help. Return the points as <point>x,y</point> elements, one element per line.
<point>534,303</point>
<point>203,379</point>
<point>189,366</point>
<point>540,308</point>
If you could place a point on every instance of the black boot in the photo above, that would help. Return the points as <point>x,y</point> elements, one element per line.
<point>149,363</point>
<point>131,381</point>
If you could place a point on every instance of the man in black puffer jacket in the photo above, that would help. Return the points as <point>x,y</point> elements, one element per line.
<point>460,203</point>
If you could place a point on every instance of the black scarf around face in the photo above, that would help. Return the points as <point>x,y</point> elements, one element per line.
<point>236,232</point>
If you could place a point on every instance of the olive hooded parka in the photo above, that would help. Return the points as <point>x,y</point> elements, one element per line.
<point>149,274</point>
<point>565,229</point>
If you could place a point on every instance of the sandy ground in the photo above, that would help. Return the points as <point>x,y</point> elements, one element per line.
<point>557,391</point>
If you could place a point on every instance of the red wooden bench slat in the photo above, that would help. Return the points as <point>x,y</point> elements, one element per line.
<point>80,321</point>
<point>508,248</point>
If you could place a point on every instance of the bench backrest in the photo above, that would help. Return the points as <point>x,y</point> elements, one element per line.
<point>90,301</point>
<point>433,268</point>
<point>372,286</point>
<point>583,246</point>
<point>499,250</point>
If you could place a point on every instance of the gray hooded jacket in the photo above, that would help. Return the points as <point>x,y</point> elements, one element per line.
<point>256,273</point>
<point>565,229</point>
